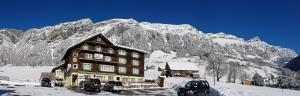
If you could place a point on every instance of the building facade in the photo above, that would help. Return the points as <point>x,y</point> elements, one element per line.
<point>178,69</point>
<point>97,57</point>
<point>270,80</point>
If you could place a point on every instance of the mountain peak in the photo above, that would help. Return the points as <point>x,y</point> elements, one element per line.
<point>255,39</point>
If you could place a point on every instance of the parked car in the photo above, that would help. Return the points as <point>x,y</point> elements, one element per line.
<point>46,82</point>
<point>113,86</point>
<point>195,88</point>
<point>90,84</point>
<point>59,82</point>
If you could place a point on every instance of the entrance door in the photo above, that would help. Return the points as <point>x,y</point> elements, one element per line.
<point>74,80</point>
<point>118,78</point>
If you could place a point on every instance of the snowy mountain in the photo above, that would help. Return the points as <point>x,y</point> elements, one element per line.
<point>45,46</point>
<point>8,39</point>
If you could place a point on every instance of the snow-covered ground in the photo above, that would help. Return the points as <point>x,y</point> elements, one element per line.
<point>29,76</point>
<point>230,89</point>
<point>159,58</point>
<point>24,73</point>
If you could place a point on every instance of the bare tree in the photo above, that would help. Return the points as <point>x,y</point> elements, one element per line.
<point>234,67</point>
<point>217,65</point>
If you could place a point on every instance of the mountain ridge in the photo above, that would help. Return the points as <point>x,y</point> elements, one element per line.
<point>52,41</point>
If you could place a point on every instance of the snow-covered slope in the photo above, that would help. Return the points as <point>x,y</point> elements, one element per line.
<point>45,46</point>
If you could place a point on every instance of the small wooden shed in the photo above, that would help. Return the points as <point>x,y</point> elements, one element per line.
<point>247,82</point>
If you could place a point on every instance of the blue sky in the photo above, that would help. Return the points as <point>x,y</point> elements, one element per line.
<point>274,21</point>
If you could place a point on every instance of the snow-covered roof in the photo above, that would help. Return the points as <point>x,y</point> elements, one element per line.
<point>57,67</point>
<point>131,48</point>
<point>183,66</point>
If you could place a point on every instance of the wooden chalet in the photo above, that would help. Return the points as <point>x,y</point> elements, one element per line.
<point>178,69</point>
<point>97,57</point>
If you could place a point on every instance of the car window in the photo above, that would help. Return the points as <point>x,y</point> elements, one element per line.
<point>188,84</point>
<point>46,79</point>
<point>96,81</point>
<point>205,85</point>
<point>194,84</point>
<point>118,83</point>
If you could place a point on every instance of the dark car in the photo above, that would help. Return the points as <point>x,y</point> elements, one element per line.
<point>195,88</point>
<point>113,86</point>
<point>90,84</point>
<point>46,82</point>
<point>59,82</point>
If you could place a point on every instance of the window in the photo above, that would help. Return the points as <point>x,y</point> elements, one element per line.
<point>136,55</point>
<point>111,51</point>
<point>133,80</point>
<point>107,58</point>
<point>75,66</point>
<point>135,71</point>
<point>87,66</point>
<point>58,72</point>
<point>98,56</point>
<point>125,79</point>
<point>75,60</point>
<point>140,80</point>
<point>98,39</point>
<point>98,49</point>
<point>122,60</point>
<point>100,77</point>
<point>75,54</point>
<point>107,68</point>
<point>122,70</point>
<point>85,47</point>
<point>110,78</point>
<point>122,52</point>
<point>88,56</point>
<point>135,62</point>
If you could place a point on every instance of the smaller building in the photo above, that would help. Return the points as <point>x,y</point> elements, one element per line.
<point>47,75</point>
<point>6,78</point>
<point>247,82</point>
<point>177,69</point>
<point>57,72</point>
<point>270,80</point>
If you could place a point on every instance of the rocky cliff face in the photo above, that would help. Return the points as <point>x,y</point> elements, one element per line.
<point>45,46</point>
<point>8,39</point>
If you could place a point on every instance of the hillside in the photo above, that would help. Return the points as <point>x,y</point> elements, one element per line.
<point>45,46</point>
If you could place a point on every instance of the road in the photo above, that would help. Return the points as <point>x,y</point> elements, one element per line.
<point>61,91</point>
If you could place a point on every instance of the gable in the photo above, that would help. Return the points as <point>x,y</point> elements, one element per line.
<point>91,39</point>
<point>100,39</point>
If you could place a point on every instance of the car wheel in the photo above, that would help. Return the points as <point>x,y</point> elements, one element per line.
<point>98,90</point>
<point>83,87</point>
<point>198,94</point>
<point>181,94</point>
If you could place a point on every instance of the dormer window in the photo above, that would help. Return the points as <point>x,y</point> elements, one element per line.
<point>85,47</point>
<point>98,48</point>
